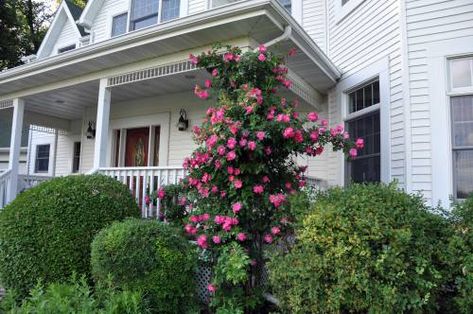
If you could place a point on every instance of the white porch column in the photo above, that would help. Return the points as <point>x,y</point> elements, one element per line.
<point>15,145</point>
<point>102,125</point>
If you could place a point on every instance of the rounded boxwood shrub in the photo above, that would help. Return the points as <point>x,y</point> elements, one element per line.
<point>150,257</point>
<point>46,232</point>
<point>366,248</point>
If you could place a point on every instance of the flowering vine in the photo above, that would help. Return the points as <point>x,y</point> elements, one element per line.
<point>244,167</point>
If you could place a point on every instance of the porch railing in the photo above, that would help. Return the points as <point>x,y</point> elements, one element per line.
<point>4,182</point>
<point>26,181</point>
<point>143,181</point>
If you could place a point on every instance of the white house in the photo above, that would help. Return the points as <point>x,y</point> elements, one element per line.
<point>398,73</point>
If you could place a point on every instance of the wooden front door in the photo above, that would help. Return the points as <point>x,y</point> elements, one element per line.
<point>136,152</point>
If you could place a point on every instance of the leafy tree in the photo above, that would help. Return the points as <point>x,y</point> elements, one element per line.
<point>9,37</point>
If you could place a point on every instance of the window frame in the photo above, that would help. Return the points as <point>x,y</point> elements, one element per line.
<point>126,26</point>
<point>360,114</point>
<point>452,93</point>
<point>343,10</point>
<point>36,164</point>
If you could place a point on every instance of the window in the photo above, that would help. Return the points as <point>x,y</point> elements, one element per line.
<point>344,2</point>
<point>287,4</point>
<point>461,73</point>
<point>66,48</point>
<point>366,167</point>
<point>42,158</point>
<point>170,10</point>
<point>76,158</point>
<point>146,12</point>
<point>461,111</point>
<point>119,24</point>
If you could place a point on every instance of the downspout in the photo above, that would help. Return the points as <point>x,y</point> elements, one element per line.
<point>284,36</point>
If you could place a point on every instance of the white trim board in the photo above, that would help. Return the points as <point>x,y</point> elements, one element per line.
<point>378,69</point>
<point>441,144</point>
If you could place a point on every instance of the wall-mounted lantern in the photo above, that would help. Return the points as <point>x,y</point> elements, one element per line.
<point>183,123</point>
<point>90,133</point>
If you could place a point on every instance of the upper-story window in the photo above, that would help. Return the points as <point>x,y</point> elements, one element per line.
<point>66,48</point>
<point>461,104</point>
<point>119,24</point>
<point>146,12</point>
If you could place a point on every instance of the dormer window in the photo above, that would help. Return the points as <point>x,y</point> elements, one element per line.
<point>146,12</point>
<point>66,48</point>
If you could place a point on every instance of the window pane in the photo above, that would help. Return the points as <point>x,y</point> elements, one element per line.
<point>464,173</point>
<point>170,10</point>
<point>42,158</point>
<point>366,166</point>
<point>144,13</point>
<point>364,97</point>
<point>461,72</point>
<point>462,121</point>
<point>119,24</point>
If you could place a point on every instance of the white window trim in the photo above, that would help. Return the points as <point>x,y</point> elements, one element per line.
<point>183,11</point>
<point>40,142</point>
<point>341,11</point>
<point>380,70</point>
<point>440,92</point>
<point>161,119</point>
<point>110,23</point>
<point>459,90</point>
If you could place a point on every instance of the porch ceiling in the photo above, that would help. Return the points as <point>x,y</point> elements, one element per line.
<point>262,20</point>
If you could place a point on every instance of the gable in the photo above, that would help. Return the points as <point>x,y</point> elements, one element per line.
<point>102,22</point>
<point>62,32</point>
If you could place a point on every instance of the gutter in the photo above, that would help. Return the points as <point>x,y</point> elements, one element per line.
<point>287,33</point>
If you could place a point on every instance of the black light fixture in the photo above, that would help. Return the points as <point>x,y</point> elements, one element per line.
<point>90,133</point>
<point>183,123</point>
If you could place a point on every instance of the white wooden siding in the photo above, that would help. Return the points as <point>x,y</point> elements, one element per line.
<point>314,21</point>
<point>428,22</point>
<point>369,33</point>
<point>102,27</point>
<point>196,6</point>
<point>69,35</point>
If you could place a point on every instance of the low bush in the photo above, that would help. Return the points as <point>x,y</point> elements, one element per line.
<point>366,248</point>
<point>46,232</point>
<point>461,256</point>
<point>73,297</point>
<point>147,256</point>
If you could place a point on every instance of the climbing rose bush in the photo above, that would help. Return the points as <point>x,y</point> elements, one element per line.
<point>244,168</point>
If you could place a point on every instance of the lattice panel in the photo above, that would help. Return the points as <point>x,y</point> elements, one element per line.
<point>203,277</point>
<point>4,104</point>
<point>151,73</point>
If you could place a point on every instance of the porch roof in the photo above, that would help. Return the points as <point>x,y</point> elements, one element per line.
<point>262,20</point>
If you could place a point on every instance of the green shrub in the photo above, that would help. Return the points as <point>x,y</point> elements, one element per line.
<point>147,256</point>
<point>461,256</point>
<point>46,232</point>
<point>75,296</point>
<point>366,248</point>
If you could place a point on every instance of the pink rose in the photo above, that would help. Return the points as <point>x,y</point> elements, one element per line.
<point>251,145</point>
<point>266,179</point>
<point>221,150</point>
<point>243,142</point>
<point>231,155</point>
<point>236,207</point>
<point>237,171</point>
<point>216,239</point>
<point>214,72</point>
<point>360,143</point>
<point>194,60</point>
<point>230,170</point>
<point>260,135</point>
<point>275,230</point>
<point>288,133</point>
<point>231,143</point>
<point>241,237</point>
<point>353,152</point>
<point>314,136</point>
<point>312,116</point>
<point>268,238</point>
<point>262,48</point>
<point>211,288</point>
<point>237,184</point>
<point>258,189</point>
<point>202,241</point>
<point>292,52</point>
<point>262,57</point>
<point>161,193</point>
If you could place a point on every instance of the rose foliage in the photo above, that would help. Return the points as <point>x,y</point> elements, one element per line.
<point>244,168</point>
